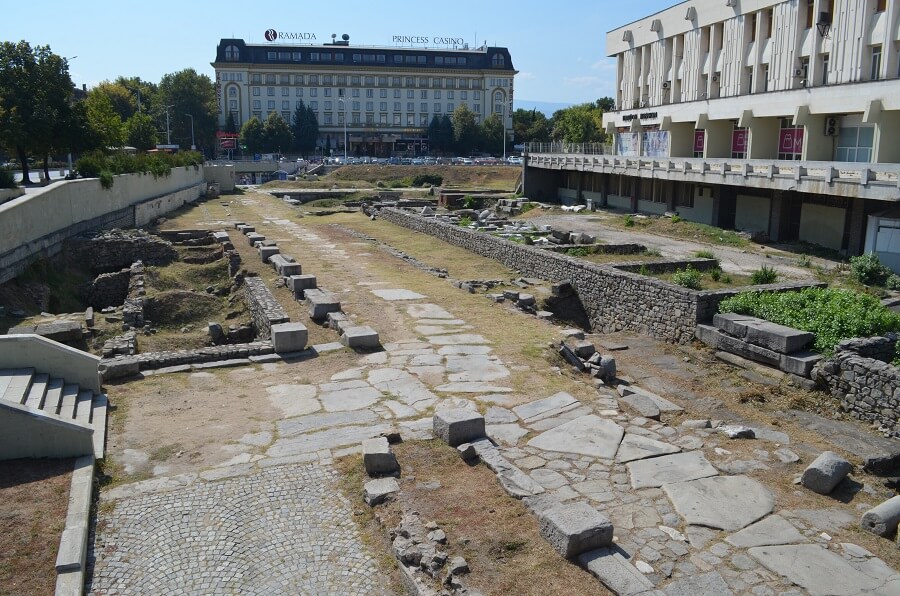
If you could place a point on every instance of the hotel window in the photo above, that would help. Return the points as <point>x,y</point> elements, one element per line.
<point>355,106</point>
<point>298,79</point>
<point>285,91</point>
<point>423,81</point>
<point>395,81</point>
<point>270,91</point>
<point>382,81</point>
<point>313,79</point>
<point>476,95</point>
<point>476,83</point>
<point>255,79</point>
<point>313,92</point>
<point>854,143</point>
<point>257,104</point>
<point>295,56</point>
<point>765,76</point>
<point>790,140</point>
<point>477,108</point>
<point>354,80</point>
<point>370,106</point>
<point>397,106</point>
<point>437,108</point>
<point>449,108</point>
<point>410,119</point>
<point>342,80</point>
<point>272,55</point>
<point>498,61</point>
<point>380,58</point>
<point>423,107</point>
<point>382,119</point>
<point>357,57</point>
<point>256,91</point>
<point>285,105</point>
<point>461,61</point>
<point>462,95</point>
<point>327,91</point>
<point>398,59</point>
<point>382,93</point>
<point>328,118</point>
<point>314,56</point>
<point>284,55</point>
<point>463,83</point>
<point>383,106</point>
<point>410,106</point>
<point>257,115</point>
<point>370,93</point>
<point>326,57</point>
<point>410,94</point>
<point>410,82</point>
<point>298,104</point>
<point>355,118</point>
<point>299,92</point>
<point>450,94</point>
<point>284,79</point>
<point>396,94</point>
<point>270,105</point>
<point>326,79</point>
<point>370,118</point>
<point>328,105</point>
<point>437,94</point>
<point>270,79</point>
<point>368,57</point>
<point>770,17</point>
<point>423,94</point>
<point>875,73</point>
<point>232,92</point>
<point>286,116</point>
<point>354,92</point>
<point>423,120</point>
<point>232,54</point>
<point>314,105</point>
<point>826,62</point>
<point>370,81</point>
<point>438,60</point>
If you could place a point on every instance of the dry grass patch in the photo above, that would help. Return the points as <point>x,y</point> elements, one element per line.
<point>495,533</point>
<point>35,497</point>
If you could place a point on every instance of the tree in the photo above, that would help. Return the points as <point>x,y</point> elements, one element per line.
<point>434,133</point>
<point>305,127</point>
<point>188,92</point>
<point>123,102</point>
<point>582,123</point>
<point>491,134</point>
<point>277,135</point>
<point>230,124</point>
<point>606,104</point>
<point>252,135</point>
<point>141,132</point>
<point>104,122</point>
<point>530,126</point>
<point>465,130</point>
<point>446,134</point>
<point>35,96</point>
<point>144,93</point>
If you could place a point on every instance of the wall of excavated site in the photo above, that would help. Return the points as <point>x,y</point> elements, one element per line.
<point>36,225</point>
<point>861,376</point>
<point>265,310</point>
<point>615,300</point>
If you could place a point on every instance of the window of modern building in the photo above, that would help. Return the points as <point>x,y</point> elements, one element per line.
<point>232,92</point>
<point>826,64</point>
<point>326,79</point>
<point>327,91</point>
<point>328,118</point>
<point>437,108</point>
<point>270,79</point>
<point>256,79</point>
<point>752,23</point>
<point>382,106</point>
<point>298,79</point>
<point>314,56</point>
<point>272,55</point>
<point>875,73</point>
<point>314,105</point>
<point>462,95</point>
<point>397,120</point>
<point>398,58</point>
<point>370,106</point>
<point>338,57</point>
<point>790,140</point>
<point>498,61</point>
<point>396,94</point>
<point>450,108</point>
<point>420,60</point>
<point>397,107</point>
<point>299,92</point>
<point>854,143</point>
<point>438,60</point>
<point>370,81</point>
<point>355,106</point>
<point>684,195</point>
<point>285,105</point>
<point>423,107</point>
<point>410,94</point>
<point>380,58</point>
<point>382,93</point>
<point>370,93</point>
<point>328,105</point>
<point>880,5</point>
<point>810,13</point>
<point>410,106</point>
<point>284,55</point>
<point>257,104</point>
<point>355,118</point>
<point>765,77</point>
<point>270,105</point>
<point>313,92</point>
<point>284,79</point>
<point>357,57</point>
<point>699,143</point>
<point>232,54</point>
<point>285,91</point>
<point>739,141</point>
<point>749,79</point>
<point>341,80</point>
<point>270,91</point>
<point>354,93</point>
<point>354,80</point>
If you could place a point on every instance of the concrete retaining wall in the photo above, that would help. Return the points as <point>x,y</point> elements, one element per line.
<point>48,356</point>
<point>36,225</point>
<point>25,432</point>
<point>860,375</point>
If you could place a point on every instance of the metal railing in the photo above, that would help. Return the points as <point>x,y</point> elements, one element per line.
<point>573,148</point>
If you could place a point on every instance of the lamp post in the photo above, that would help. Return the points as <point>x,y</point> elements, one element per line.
<point>71,168</point>
<point>193,146</point>
<point>344,112</point>
<point>168,130</point>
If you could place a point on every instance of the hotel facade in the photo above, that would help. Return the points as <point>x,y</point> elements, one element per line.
<point>777,117</point>
<point>384,97</point>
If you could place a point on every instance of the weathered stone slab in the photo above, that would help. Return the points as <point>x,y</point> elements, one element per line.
<point>615,572</point>
<point>457,339</point>
<point>354,398</point>
<point>767,532</point>
<point>662,403</point>
<point>707,584</point>
<point>642,405</point>
<point>362,337</point>
<point>314,422</point>
<point>267,252</point>
<point>289,337</point>
<point>378,458</point>
<point>397,294</point>
<point>253,238</point>
<point>587,435</point>
<point>548,406</point>
<point>474,368</point>
<point>321,303</point>
<point>634,447</point>
<point>458,426</point>
<point>574,528</point>
<point>679,467</point>
<point>822,572</point>
<point>326,439</point>
<point>508,434</point>
<point>472,387</point>
<point>379,490</point>
<point>825,472</point>
<point>300,283</point>
<point>428,311</point>
<point>61,331</point>
<point>725,502</point>
<point>784,340</point>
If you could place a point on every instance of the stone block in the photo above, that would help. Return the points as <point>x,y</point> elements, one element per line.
<point>467,452</point>
<point>708,335</point>
<point>321,303</point>
<point>525,300</point>
<point>642,404</point>
<point>458,426</point>
<point>378,457</point>
<point>300,283</point>
<point>289,269</point>
<point>338,321</point>
<point>379,490</point>
<point>825,472</point>
<point>289,337</point>
<point>584,349</point>
<point>882,519</point>
<point>778,338</point>
<point>267,252</point>
<point>575,528</point>
<point>253,238</point>
<point>221,237</point>
<point>244,228</point>
<point>571,357</point>
<point>615,572</point>
<point>799,363</point>
<point>362,337</point>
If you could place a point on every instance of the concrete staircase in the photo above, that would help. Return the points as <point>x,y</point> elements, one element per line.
<point>53,398</point>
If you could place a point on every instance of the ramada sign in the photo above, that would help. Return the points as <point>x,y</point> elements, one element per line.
<point>274,35</point>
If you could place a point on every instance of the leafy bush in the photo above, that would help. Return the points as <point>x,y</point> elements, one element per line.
<point>688,278</point>
<point>469,202</point>
<point>465,221</point>
<point>7,180</point>
<point>715,274</point>
<point>676,218</point>
<point>423,179</point>
<point>705,254</point>
<point>764,275</point>
<point>577,252</point>
<point>832,314</point>
<point>804,261</point>
<point>90,165</point>
<point>868,270</point>
<point>106,179</point>
<point>629,221</point>
<point>644,270</point>
<point>526,207</point>
<point>652,252</point>
<point>93,164</point>
<point>893,282</point>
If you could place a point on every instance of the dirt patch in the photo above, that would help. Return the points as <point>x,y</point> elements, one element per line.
<point>480,177</point>
<point>176,307</point>
<point>35,497</point>
<point>495,533</point>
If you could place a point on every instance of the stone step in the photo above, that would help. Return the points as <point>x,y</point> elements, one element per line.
<point>67,403</point>
<point>38,391</point>
<point>83,405</point>
<point>98,421</point>
<point>15,384</point>
<point>53,396</point>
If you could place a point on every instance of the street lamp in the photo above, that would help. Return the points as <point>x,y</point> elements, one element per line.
<point>344,111</point>
<point>168,130</point>
<point>193,146</point>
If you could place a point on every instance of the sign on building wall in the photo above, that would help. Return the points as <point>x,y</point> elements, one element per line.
<point>790,140</point>
<point>739,140</point>
<point>627,144</point>
<point>699,142</point>
<point>655,143</point>
<point>219,91</point>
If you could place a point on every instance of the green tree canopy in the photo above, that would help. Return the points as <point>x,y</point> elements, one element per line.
<point>141,132</point>
<point>104,122</point>
<point>530,126</point>
<point>188,92</point>
<point>252,135</point>
<point>230,124</point>
<point>491,134</point>
<point>144,93</point>
<point>305,126</point>
<point>277,135</point>
<point>465,130</point>
<point>123,102</point>
<point>582,123</point>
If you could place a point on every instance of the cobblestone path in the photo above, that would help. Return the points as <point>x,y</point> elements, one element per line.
<point>279,530</point>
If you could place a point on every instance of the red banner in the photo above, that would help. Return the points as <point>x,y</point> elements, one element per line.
<point>699,140</point>
<point>739,140</point>
<point>790,140</point>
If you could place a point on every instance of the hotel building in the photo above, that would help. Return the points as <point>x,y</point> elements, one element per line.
<point>777,117</point>
<point>387,96</point>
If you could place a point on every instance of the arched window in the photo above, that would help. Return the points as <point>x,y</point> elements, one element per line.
<point>498,61</point>
<point>232,54</point>
<point>499,97</point>
<point>232,91</point>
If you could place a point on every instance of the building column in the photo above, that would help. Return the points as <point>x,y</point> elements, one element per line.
<point>604,190</point>
<point>857,231</point>
<point>777,216</point>
<point>725,207</point>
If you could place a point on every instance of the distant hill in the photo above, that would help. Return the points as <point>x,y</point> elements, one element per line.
<point>547,107</point>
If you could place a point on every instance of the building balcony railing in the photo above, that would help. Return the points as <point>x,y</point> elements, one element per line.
<point>574,148</point>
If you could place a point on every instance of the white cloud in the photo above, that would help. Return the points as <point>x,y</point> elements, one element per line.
<point>584,81</point>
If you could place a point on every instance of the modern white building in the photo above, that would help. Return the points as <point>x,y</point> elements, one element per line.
<point>780,117</point>
<point>386,95</point>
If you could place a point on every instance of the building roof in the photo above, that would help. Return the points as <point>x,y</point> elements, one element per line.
<point>483,58</point>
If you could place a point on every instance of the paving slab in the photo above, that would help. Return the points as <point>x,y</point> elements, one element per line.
<point>679,467</point>
<point>403,386</point>
<point>508,434</point>
<point>641,404</point>
<point>428,311</point>
<point>588,435</point>
<point>614,571</point>
<point>707,584</point>
<point>634,447</point>
<point>770,531</point>
<point>393,295</point>
<point>475,368</point>
<point>472,387</point>
<point>725,502</point>
<point>354,398</point>
<point>824,573</point>
<point>548,406</point>
<point>450,350</point>
<point>326,439</point>
<point>457,339</point>
<point>314,422</point>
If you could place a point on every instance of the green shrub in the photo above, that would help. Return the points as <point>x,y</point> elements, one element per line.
<point>629,221</point>
<point>868,270</point>
<point>705,254</point>
<point>465,221</point>
<point>893,282</point>
<point>676,218</point>
<point>7,180</point>
<point>469,202</point>
<point>715,274</point>
<point>577,252</point>
<point>89,165</point>
<point>725,278</point>
<point>804,261</point>
<point>644,270</point>
<point>106,179</point>
<point>423,179</point>
<point>652,252</point>
<point>764,275</point>
<point>688,278</point>
<point>526,207</point>
<point>832,314</point>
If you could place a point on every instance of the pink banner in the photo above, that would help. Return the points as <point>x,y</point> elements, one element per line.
<point>699,140</point>
<point>790,140</point>
<point>739,140</point>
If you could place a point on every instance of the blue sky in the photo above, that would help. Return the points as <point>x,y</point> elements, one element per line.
<point>558,47</point>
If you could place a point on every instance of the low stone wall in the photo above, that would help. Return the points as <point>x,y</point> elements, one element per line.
<point>860,375</point>
<point>670,266</point>
<point>126,366</point>
<point>615,300</point>
<point>114,249</point>
<point>265,311</point>
<point>133,306</point>
<point>109,289</point>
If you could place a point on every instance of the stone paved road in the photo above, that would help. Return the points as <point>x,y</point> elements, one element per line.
<point>278,530</point>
